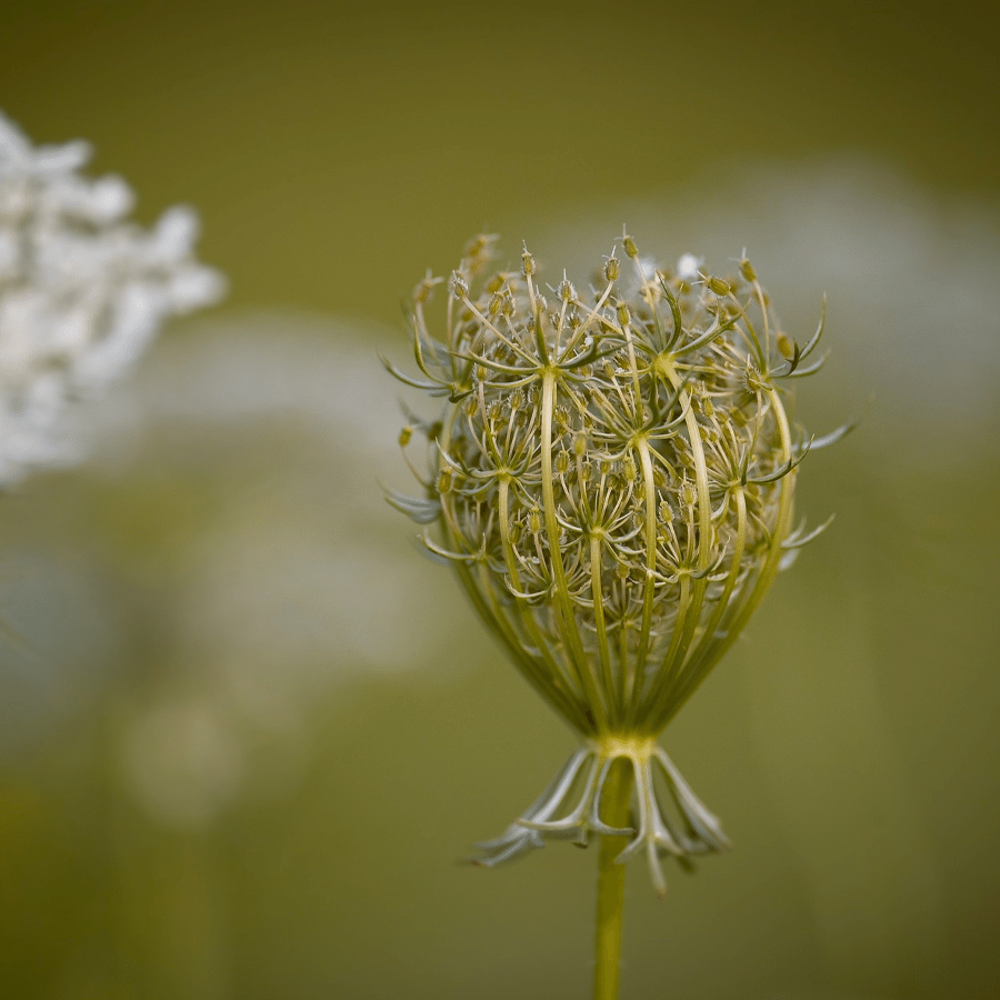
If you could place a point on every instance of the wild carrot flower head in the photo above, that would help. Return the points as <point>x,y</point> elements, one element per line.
<point>612,477</point>
<point>82,293</point>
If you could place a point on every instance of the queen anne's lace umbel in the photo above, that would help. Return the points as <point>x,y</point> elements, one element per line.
<point>82,293</point>
<point>612,478</point>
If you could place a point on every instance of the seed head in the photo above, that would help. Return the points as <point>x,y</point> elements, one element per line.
<point>652,460</point>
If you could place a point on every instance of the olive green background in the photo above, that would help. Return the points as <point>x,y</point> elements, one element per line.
<point>247,732</point>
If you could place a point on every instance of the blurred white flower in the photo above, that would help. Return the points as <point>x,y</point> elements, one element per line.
<point>82,293</point>
<point>688,266</point>
<point>906,270</point>
<point>261,582</point>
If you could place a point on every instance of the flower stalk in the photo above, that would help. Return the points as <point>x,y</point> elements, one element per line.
<point>611,887</point>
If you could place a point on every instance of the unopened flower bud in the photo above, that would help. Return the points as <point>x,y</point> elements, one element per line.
<point>566,291</point>
<point>719,286</point>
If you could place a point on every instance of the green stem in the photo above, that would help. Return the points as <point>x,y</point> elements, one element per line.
<point>611,882</point>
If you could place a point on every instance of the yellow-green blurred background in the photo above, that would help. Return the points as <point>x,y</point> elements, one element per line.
<point>246,731</point>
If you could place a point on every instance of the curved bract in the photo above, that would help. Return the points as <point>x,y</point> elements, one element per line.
<point>612,478</point>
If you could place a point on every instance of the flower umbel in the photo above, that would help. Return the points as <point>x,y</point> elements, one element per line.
<point>82,293</point>
<point>612,479</point>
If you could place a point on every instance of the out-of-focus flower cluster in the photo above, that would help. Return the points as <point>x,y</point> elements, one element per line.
<point>82,293</point>
<point>261,612</point>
